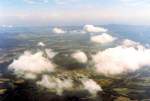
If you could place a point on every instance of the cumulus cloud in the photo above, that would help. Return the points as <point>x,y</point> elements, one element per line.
<point>94,29</point>
<point>41,44</point>
<point>67,84</point>
<point>130,43</point>
<point>80,56</point>
<point>91,86</point>
<point>103,38</point>
<point>56,84</point>
<point>122,59</point>
<point>58,30</point>
<point>50,53</point>
<point>30,65</point>
<point>7,26</point>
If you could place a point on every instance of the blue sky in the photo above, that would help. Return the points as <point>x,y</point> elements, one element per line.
<point>74,12</point>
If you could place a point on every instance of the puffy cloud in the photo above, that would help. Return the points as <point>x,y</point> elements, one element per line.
<point>91,86</point>
<point>56,84</point>
<point>130,43</point>
<point>41,44</point>
<point>103,38</point>
<point>58,30</point>
<point>67,84</point>
<point>30,65</point>
<point>93,29</point>
<point>80,56</point>
<point>28,75</point>
<point>121,59</point>
<point>50,53</point>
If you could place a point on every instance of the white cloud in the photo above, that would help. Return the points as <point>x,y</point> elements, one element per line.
<point>41,44</point>
<point>130,43</point>
<point>91,86</point>
<point>56,84</point>
<point>50,53</point>
<point>121,59</point>
<point>30,65</point>
<point>103,38</point>
<point>59,85</point>
<point>80,56</point>
<point>28,75</point>
<point>93,29</point>
<point>58,30</point>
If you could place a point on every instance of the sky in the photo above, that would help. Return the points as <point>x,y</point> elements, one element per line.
<point>74,12</point>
